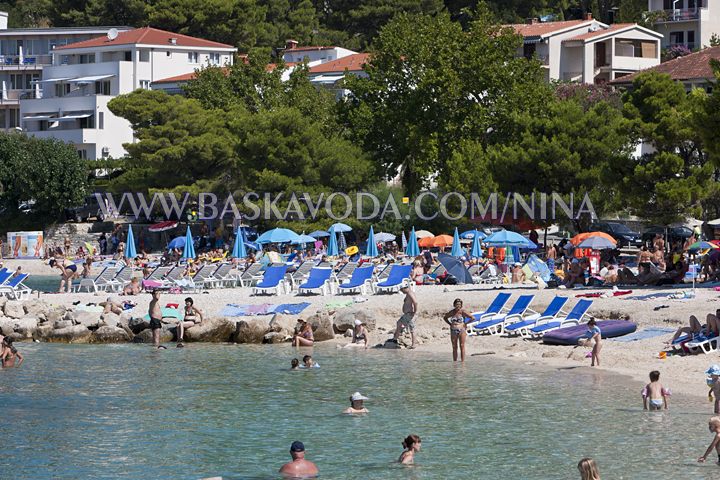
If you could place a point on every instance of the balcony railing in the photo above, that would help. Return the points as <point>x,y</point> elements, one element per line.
<point>678,15</point>
<point>12,96</point>
<point>27,61</point>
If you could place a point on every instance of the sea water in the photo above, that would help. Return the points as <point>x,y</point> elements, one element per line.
<point>129,411</point>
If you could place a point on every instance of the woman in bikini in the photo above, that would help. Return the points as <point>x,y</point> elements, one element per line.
<point>456,319</point>
<point>69,271</point>
<point>304,338</point>
<point>193,316</point>
<point>8,353</point>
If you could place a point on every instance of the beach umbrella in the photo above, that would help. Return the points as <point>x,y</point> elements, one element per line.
<point>332,249</point>
<point>471,234</point>
<point>476,251</point>
<point>423,234</point>
<point>372,250</point>
<point>442,241</point>
<point>582,236</point>
<point>339,227</point>
<point>130,251</point>
<point>383,237</point>
<point>177,242</point>
<point>506,238</point>
<point>596,243</point>
<point>703,245</point>
<point>163,226</point>
<point>426,242</point>
<point>457,250</point>
<point>238,250</point>
<point>319,234</point>
<point>304,239</point>
<point>254,246</point>
<point>404,240</point>
<point>412,249</point>
<point>278,235</point>
<point>456,268</point>
<point>342,244</point>
<point>189,250</point>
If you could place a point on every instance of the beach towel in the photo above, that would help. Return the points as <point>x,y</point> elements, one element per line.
<point>616,293</point>
<point>89,308</point>
<point>339,304</point>
<point>289,308</point>
<point>649,296</point>
<point>167,313</point>
<point>649,332</point>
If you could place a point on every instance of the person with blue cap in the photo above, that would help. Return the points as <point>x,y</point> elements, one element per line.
<point>298,467</point>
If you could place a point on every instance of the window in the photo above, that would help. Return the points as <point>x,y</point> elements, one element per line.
<point>214,58</point>
<point>87,58</point>
<point>14,118</point>
<point>168,53</point>
<point>144,55</point>
<point>636,48</point>
<point>677,37</point>
<point>82,154</point>
<point>691,39</point>
<point>101,120</point>
<point>102,88</point>
<point>529,50</point>
<point>62,89</point>
<point>192,57</point>
<point>145,84</point>
<point>128,56</point>
<point>87,122</point>
<point>65,60</point>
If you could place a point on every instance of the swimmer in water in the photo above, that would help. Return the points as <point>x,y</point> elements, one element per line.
<point>294,364</point>
<point>411,444</point>
<point>298,467</point>
<point>356,404</point>
<point>8,354</point>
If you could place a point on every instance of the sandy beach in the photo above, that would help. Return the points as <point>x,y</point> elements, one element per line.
<point>683,374</point>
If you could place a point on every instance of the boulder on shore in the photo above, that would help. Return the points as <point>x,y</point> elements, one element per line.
<point>110,334</point>
<point>346,317</point>
<point>7,326</point>
<point>284,324</point>
<point>26,326</point>
<point>14,309</point>
<point>35,307</point>
<point>87,319</point>
<point>74,334</point>
<point>322,327</point>
<point>211,330</point>
<point>138,324</point>
<point>146,336</point>
<point>252,330</point>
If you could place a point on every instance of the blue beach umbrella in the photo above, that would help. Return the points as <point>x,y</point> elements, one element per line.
<point>339,227</point>
<point>177,242</point>
<point>238,250</point>
<point>342,244</point>
<point>130,251</point>
<point>457,250</point>
<point>506,238</point>
<point>383,237</point>
<point>404,240</point>
<point>471,234</point>
<point>278,235</point>
<point>412,250</point>
<point>332,249</point>
<point>476,251</point>
<point>319,234</point>
<point>372,250</point>
<point>304,239</point>
<point>189,250</point>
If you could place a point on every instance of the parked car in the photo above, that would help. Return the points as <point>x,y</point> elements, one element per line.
<point>90,209</point>
<point>624,236</point>
<point>671,234</point>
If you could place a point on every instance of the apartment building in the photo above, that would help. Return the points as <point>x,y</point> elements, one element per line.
<point>587,50</point>
<point>24,53</point>
<point>690,23</point>
<point>313,55</point>
<point>85,76</point>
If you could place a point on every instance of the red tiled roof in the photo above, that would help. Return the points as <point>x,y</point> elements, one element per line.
<point>307,49</point>
<point>146,36</point>
<point>693,66</point>
<point>352,63</point>
<point>186,77</point>
<point>598,33</point>
<point>543,28</point>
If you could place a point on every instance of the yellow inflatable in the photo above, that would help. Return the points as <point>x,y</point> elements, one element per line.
<point>351,250</point>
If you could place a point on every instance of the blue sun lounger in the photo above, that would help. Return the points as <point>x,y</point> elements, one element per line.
<point>573,318</point>
<point>360,281</point>
<point>495,325</point>
<point>552,311</point>
<point>273,282</point>
<point>495,308</point>
<point>317,282</point>
<point>5,276</point>
<point>398,278</point>
<point>14,288</point>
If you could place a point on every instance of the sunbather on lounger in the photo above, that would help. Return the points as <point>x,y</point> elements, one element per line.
<point>712,327</point>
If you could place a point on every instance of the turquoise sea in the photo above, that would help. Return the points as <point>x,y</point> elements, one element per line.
<point>130,412</point>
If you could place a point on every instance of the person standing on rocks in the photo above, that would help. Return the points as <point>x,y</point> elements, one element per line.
<point>407,320</point>
<point>155,314</point>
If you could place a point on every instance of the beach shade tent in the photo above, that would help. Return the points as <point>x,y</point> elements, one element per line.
<point>456,268</point>
<point>476,251</point>
<point>339,228</point>
<point>596,243</point>
<point>189,250</point>
<point>423,234</point>
<point>319,234</point>
<point>404,240</point>
<point>239,250</point>
<point>412,250</point>
<point>163,226</point>
<point>278,235</point>
<point>304,239</point>
<point>383,237</point>
<point>457,250</point>
<point>177,242</point>
<point>130,251</point>
<point>371,250</point>
<point>332,249</point>
<point>577,239</point>
<point>426,242</point>
<point>471,234</point>
<point>442,241</point>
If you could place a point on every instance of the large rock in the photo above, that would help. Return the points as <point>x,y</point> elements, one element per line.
<point>43,331</point>
<point>211,330</point>
<point>26,326</point>
<point>276,337</point>
<point>345,319</point>
<point>137,325</point>
<point>36,307</point>
<point>108,334</point>
<point>7,325</point>
<point>284,324</point>
<point>62,324</point>
<point>110,319</point>
<point>55,313</point>
<point>14,309</point>
<point>252,330</point>
<point>87,319</point>
<point>3,301</point>
<point>74,334</point>
<point>146,336</point>
<point>322,326</point>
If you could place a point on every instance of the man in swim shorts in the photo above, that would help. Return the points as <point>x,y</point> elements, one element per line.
<point>298,467</point>
<point>155,314</point>
<point>407,320</point>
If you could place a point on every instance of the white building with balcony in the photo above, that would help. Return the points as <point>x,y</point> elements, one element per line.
<point>587,50</point>
<point>690,23</point>
<point>314,55</point>
<point>86,75</point>
<point>24,52</point>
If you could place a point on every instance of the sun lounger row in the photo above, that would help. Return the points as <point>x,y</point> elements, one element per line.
<point>520,319</point>
<point>13,287</point>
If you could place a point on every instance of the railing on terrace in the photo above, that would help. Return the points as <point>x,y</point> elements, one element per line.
<point>27,61</point>
<point>678,15</point>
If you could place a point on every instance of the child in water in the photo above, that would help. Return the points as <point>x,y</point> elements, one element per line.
<point>593,334</point>
<point>714,384</point>
<point>308,362</point>
<point>411,444</point>
<point>714,427</point>
<point>294,364</point>
<point>654,393</point>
